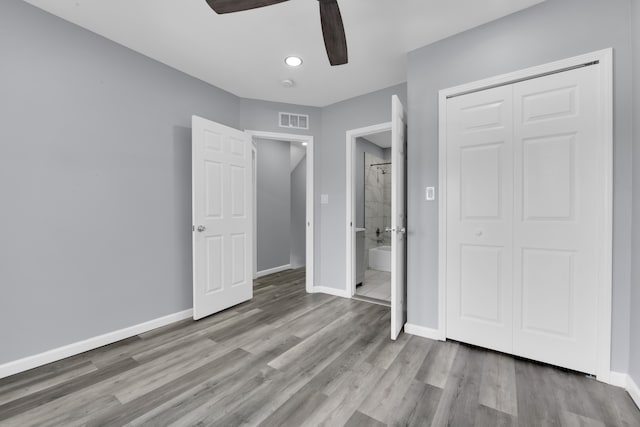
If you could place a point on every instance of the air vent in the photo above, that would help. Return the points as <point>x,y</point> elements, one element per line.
<point>294,121</point>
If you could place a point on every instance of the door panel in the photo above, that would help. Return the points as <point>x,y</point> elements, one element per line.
<point>222,217</point>
<point>559,207</point>
<point>398,217</point>
<point>479,218</point>
<point>481,283</point>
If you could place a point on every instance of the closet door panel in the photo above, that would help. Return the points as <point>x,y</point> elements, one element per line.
<point>479,218</point>
<point>558,210</point>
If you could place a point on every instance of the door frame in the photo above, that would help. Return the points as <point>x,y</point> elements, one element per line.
<point>352,135</point>
<point>604,59</point>
<point>308,139</point>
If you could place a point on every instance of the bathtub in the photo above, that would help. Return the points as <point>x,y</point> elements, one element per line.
<point>380,258</point>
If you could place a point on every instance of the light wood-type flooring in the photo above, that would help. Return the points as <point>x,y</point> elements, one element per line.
<point>288,358</point>
<point>376,285</point>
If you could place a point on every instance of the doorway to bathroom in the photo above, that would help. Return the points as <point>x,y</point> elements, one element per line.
<point>376,242</point>
<point>373,169</point>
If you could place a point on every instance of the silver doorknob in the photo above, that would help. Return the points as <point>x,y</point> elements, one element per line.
<point>201,228</point>
<point>388,230</point>
<point>403,230</point>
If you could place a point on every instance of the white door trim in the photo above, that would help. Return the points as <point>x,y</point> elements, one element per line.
<point>310,194</point>
<point>254,171</point>
<point>605,60</point>
<point>350,280</point>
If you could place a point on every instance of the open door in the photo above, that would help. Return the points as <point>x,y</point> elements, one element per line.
<point>398,217</point>
<point>222,217</point>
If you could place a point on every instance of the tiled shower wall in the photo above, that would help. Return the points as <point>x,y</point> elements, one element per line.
<point>377,201</point>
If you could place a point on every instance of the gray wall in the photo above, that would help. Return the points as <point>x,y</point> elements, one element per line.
<point>634,358</point>
<point>95,177</point>
<point>550,31</point>
<point>273,234</point>
<point>299,214</point>
<point>366,110</point>
<point>363,146</point>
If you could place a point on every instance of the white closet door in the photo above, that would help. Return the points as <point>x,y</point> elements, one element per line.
<point>479,218</point>
<point>559,209</point>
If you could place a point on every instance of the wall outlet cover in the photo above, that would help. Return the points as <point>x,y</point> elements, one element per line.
<point>430,194</point>
<point>324,199</point>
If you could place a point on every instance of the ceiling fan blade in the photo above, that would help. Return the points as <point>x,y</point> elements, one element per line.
<point>228,6</point>
<point>335,40</point>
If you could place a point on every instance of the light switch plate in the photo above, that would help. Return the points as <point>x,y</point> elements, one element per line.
<point>430,194</point>
<point>324,199</point>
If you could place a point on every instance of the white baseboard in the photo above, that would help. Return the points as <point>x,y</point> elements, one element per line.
<point>633,390</point>
<point>617,379</point>
<point>625,381</point>
<point>60,353</point>
<point>272,270</point>
<point>421,331</point>
<point>331,291</point>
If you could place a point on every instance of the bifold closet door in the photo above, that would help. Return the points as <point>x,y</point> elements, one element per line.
<point>558,217</point>
<point>525,213</point>
<point>479,218</point>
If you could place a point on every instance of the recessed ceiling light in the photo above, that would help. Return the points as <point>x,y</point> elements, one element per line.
<point>293,61</point>
<point>304,144</point>
<point>288,83</point>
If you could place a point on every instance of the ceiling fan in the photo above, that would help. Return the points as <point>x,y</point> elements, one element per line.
<point>335,40</point>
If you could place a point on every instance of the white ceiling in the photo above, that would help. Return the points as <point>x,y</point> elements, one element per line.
<point>382,139</point>
<point>244,52</point>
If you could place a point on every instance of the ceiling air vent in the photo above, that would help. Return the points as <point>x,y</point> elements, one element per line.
<point>294,121</point>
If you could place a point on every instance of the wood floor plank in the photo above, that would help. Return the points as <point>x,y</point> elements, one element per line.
<point>628,412</point>
<point>296,409</point>
<point>219,368</point>
<point>41,382</point>
<point>437,366</point>
<point>322,342</point>
<point>537,398</point>
<point>291,358</point>
<point>301,365</point>
<point>489,417</point>
<point>498,383</point>
<point>387,351</point>
<point>347,397</point>
<point>392,387</point>
<point>417,407</point>
<point>208,402</point>
<point>358,419</point>
<point>569,419</point>
<point>75,409</point>
<point>461,391</point>
<point>582,396</point>
<point>211,396</point>
<point>43,397</point>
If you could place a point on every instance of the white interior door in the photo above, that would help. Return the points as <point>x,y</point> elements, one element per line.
<point>479,218</point>
<point>559,211</point>
<point>398,217</point>
<point>222,217</point>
